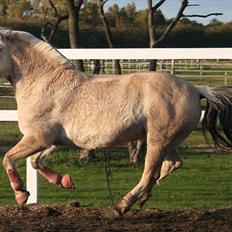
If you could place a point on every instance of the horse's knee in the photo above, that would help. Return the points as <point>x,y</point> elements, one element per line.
<point>35,161</point>
<point>7,162</point>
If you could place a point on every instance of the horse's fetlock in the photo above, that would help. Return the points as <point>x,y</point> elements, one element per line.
<point>21,198</point>
<point>126,203</point>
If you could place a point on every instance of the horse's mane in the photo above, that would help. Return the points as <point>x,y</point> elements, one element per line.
<point>39,46</point>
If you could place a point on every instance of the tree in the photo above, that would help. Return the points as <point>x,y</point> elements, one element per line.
<point>74,8</point>
<point>113,15</point>
<point>108,33</point>
<point>56,14</point>
<point>14,9</point>
<point>130,13</point>
<point>153,38</point>
<point>3,7</point>
<point>88,15</point>
<point>60,11</point>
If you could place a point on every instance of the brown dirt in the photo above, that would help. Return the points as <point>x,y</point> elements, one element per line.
<point>72,218</point>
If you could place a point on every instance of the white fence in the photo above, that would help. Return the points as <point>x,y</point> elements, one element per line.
<point>113,54</point>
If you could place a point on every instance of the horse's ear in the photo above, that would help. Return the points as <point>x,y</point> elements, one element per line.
<point>6,35</point>
<point>9,35</point>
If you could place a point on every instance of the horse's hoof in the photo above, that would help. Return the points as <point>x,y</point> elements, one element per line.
<point>21,198</point>
<point>66,182</point>
<point>122,208</point>
<point>126,203</point>
<point>114,213</point>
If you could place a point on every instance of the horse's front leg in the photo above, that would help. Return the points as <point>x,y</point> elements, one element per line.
<point>52,176</point>
<point>26,147</point>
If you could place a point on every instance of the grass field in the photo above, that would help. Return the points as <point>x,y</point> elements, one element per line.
<point>203,182</point>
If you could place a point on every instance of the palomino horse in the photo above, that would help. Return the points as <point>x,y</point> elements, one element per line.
<point>59,105</point>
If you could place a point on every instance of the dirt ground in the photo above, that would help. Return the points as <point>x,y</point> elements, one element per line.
<point>74,218</point>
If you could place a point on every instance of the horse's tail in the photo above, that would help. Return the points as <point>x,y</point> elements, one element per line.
<point>217,119</point>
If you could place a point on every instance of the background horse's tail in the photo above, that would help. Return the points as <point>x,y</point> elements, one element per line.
<point>218,115</point>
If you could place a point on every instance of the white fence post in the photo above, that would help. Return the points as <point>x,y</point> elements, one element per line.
<point>32,182</point>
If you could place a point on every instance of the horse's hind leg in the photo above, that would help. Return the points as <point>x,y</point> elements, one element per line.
<point>26,147</point>
<point>170,163</point>
<point>153,163</point>
<point>53,177</point>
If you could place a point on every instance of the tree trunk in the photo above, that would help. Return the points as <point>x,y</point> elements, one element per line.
<point>108,34</point>
<point>96,67</point>
<point>74,31</point>
<point>151,32</point>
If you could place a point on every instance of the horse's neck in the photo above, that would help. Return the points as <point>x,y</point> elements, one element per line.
<point>32,69</point>
<point>29,66</point>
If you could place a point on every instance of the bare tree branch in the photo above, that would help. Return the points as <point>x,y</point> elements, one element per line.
<point>42,32</point>
<point>193,5</point>
<point>172,23</point>
<point>203,16</point>
<point>58,20</point>
<point>78,4</point>
<point>157,5</point>
<point>54,8</point>
<point>103,2</point>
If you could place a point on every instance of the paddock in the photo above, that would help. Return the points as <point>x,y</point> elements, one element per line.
<point>219,216</point>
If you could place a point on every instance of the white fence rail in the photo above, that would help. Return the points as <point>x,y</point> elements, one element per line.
<point>113,54</point>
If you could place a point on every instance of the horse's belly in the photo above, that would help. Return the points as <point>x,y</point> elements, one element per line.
<point>94,137</point>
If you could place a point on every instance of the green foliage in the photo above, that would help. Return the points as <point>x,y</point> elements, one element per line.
<point>3,7</point>
<point>16,8</point>
<point>89,15</point>
<point>159,18</point>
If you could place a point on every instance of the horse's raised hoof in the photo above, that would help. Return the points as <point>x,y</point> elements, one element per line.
<point>21,198</point>
<point>66,182</point>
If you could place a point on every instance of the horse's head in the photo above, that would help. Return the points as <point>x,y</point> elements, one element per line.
<point>5,60</point>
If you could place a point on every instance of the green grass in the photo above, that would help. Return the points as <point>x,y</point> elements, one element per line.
<point>7,104</point>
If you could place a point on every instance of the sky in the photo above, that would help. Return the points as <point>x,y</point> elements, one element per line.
<point>170,8</point>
